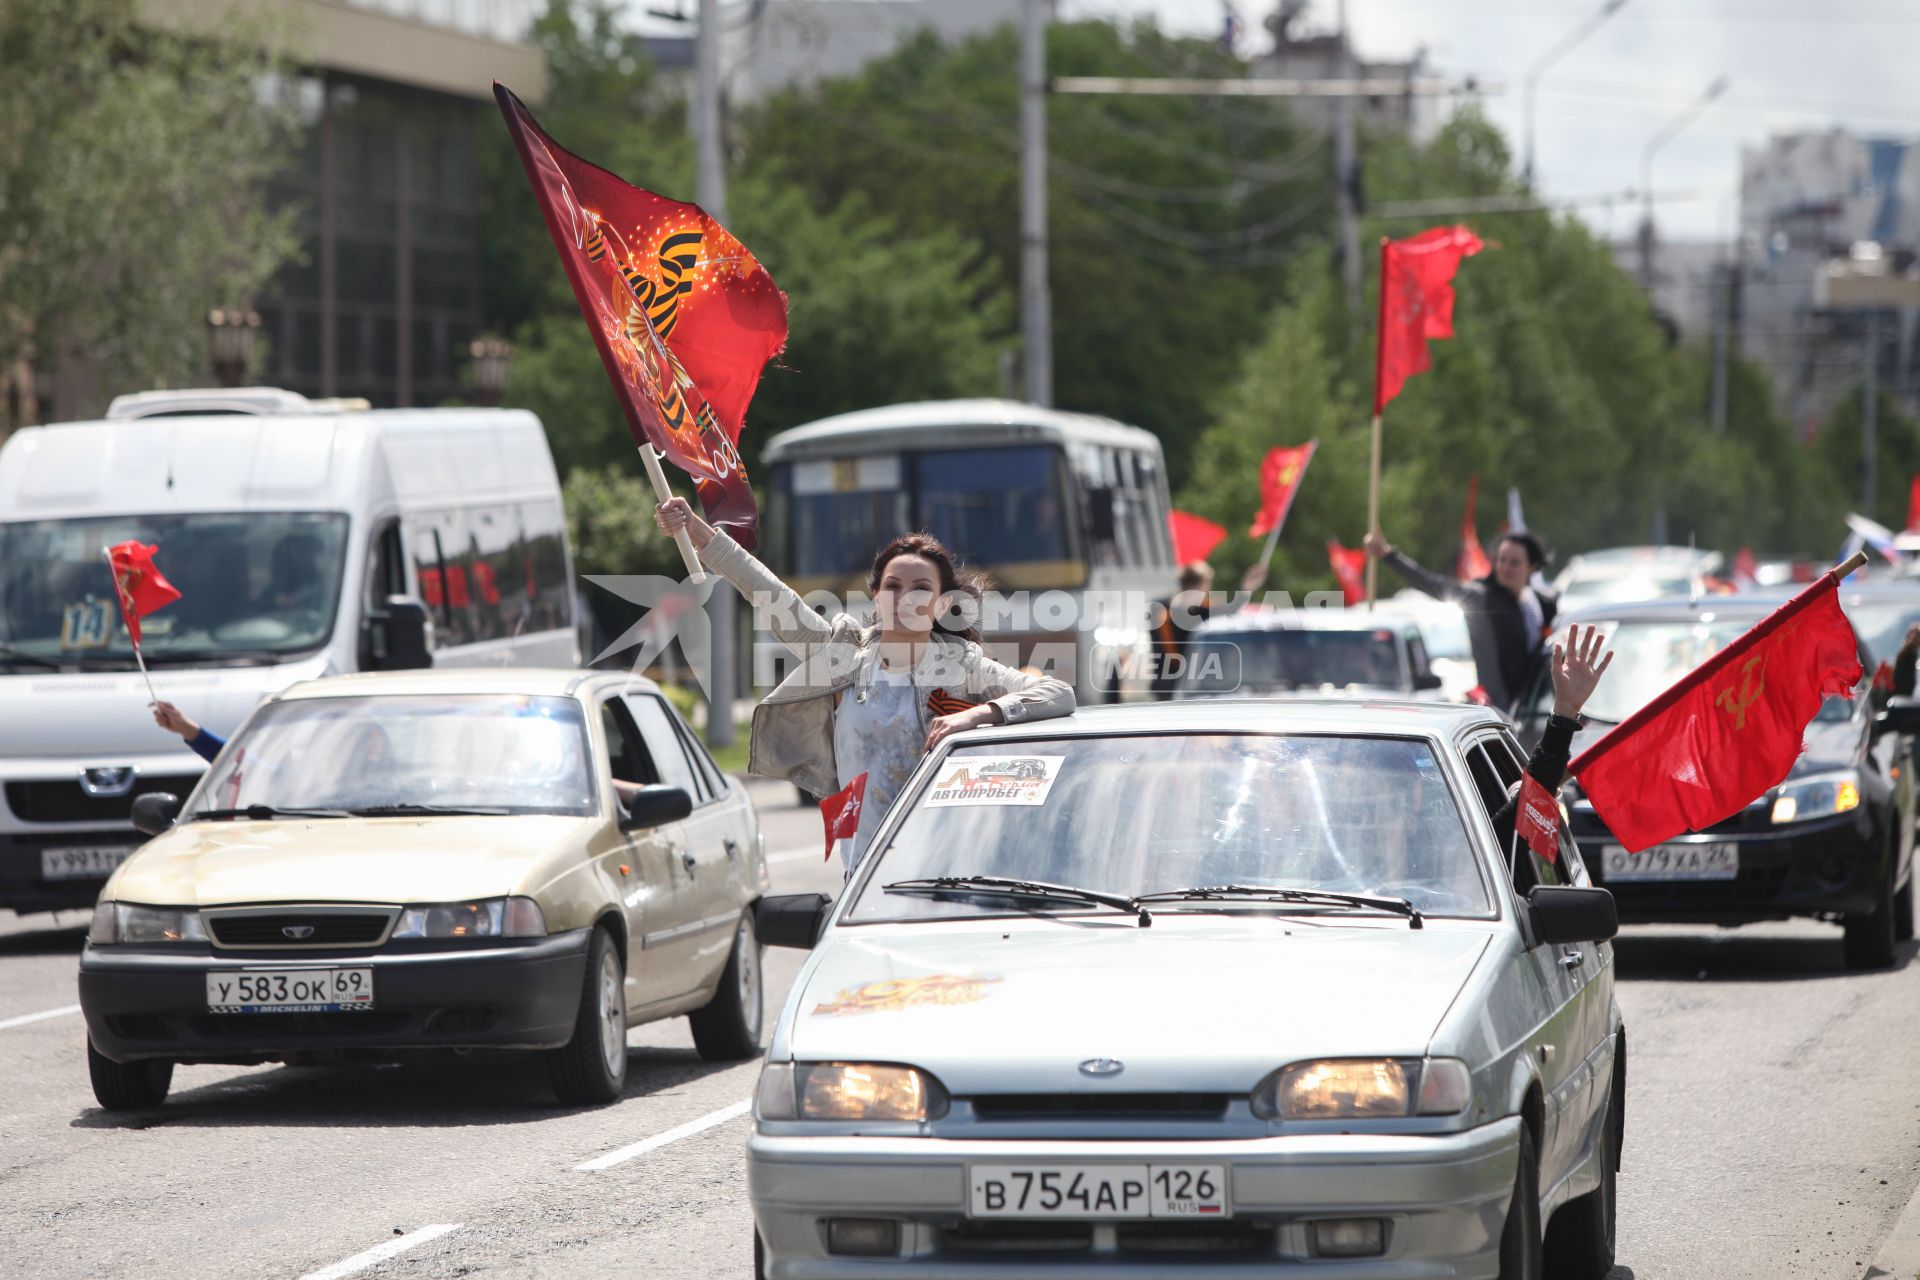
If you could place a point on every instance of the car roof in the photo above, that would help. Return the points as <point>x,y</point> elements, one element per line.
<point>1395,717</point>
<point>1308,620</point>
<point>531,681</point>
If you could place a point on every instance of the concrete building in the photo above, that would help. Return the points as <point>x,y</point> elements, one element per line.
<point>392,96</point>
<point>1300,53</point>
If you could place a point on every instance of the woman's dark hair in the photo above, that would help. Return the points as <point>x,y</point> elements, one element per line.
<point>1536,554</point>
<point>957,616</point>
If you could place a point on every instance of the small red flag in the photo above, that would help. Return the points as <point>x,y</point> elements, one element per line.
<point>1416,303</point>
<point>1883,676</point>
<point>685,318</point>
<point>841,812</point>
<point>1473,564</point>
<point>1349,569</point>
<point>1913,505</point>
<point>139,584</point>
<point>1727,732</point>
<point>1745,569</point>
<point>1280,474</point>
<point>1537,818</point>
<point>1194,537</point>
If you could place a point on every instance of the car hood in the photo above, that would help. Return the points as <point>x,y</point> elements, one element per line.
<point>1192,1003</point>
<point>449,859</point>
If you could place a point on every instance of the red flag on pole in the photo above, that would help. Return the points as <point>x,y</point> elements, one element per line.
<point>1280,474</point>
<point>1913,505</point>
<point>684,317</point>
<point>841,812</point>
<point>1416,303</point>
<point>1472,564</point>
<point>139,584</point>
<point>1194,537</point>
<point>1537,818</point>
<point>1349,569</point>
<point>1728,731</point>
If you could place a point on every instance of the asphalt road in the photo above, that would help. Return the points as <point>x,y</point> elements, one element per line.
<point>1773,1130</point>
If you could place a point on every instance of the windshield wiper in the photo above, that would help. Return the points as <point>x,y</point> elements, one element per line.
<point>435,810</point>
<point>265,813</point>
<point>10,654</point>
<point>182,657</point>
<point>1274,893</point>
<point>1021,889</point>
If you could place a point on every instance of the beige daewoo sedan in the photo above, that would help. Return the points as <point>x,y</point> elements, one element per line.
<point>457,859</point>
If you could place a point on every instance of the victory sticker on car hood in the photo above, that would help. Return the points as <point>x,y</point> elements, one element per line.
<point>994,780</point>
<point>906,993</point>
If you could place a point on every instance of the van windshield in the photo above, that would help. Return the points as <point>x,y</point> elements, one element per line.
<point>254,586</point>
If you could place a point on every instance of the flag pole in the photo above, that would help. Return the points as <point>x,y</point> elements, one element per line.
<point>153,698</point>
<point>662,492</point>
<point>1373,511</point>
<point>1847,566</point>
<point>1273,539</point>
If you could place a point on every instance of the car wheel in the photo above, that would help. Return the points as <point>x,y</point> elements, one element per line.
<point>591,1068</point>
<point>1870,939</point>
<point>128,1086</point>
<point>1580,1239</point>
<point>1520,1256</point>
<point>727,1028</point>
<point>759,1257</point>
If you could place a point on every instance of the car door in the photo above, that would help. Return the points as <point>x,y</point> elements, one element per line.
<point>705,848</point>
<point>660,906</point>
<point>1560,1044</point>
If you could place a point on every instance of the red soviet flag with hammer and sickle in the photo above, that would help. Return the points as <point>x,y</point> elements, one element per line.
<point>684,317</point>
<point>1280,474</point>
<point>138,583</point>
<point>841,812</point>
<point>1727,732</point>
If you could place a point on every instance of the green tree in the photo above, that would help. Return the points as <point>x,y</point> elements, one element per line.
<point>1836,447</point>
<point>133,162</point>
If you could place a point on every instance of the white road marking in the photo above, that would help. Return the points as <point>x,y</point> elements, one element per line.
<point>381,1252</point>
<point>659,1140</point>
<point>42,1016</point>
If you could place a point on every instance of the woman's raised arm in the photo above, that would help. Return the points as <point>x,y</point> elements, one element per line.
<point>793,621</point>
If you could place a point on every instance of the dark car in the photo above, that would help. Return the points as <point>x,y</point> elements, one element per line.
<point>1834,841</point>
<point>1274,651</point>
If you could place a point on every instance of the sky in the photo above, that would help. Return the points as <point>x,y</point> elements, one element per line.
<point>1791,67</point>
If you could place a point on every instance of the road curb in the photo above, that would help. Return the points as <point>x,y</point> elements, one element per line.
<point>1898,1257</point>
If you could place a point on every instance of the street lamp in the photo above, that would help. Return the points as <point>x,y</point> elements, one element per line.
<point>492,359</point>
<point>1661,137</point>
<point>1547,59</point>
<point>231,332</point>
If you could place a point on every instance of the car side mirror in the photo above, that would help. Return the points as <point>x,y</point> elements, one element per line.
<point>791,920</point>
<point>155,812</point>
<point>1568,914</point>
<point>1901,715</point>
<point>656,805</point>
<point>1425,681</point>
<point>1101,520</point>
<point>397,636</point>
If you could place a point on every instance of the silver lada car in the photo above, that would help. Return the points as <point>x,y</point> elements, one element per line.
<point>1209,988</point>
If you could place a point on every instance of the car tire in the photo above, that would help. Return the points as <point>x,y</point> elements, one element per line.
<point>727,1027</point>
<point>1520,1250</point>
<point>759,1257</point>
<point>590,1070</point>
<point>1870,939</point>
<point>1580,1239</point>
<point>128,1086</point>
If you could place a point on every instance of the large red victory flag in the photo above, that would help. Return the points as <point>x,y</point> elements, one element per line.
<point>139,584</point>
<point>1416,303</point>
<point>1194,537</point>
<point>1727,732</point>
<point>1280,475</point>
<point>684,317</point>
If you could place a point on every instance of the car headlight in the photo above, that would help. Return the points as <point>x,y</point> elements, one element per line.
<point>487,918</point>
<point>1818,795</point>
<point>1364,1088</point>
<point>125,922</point>
<point>848,1091</point>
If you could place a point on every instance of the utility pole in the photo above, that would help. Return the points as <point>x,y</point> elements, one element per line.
<point>1036,303</point>
<point>1870,420</point>
<point>1723,278</point>
<point>1345,180</point>
<point>710,186</point>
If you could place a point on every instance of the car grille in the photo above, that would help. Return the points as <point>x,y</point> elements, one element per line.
<point>282,930</point>
<point>62,800</point>
<point>1076,1106</point>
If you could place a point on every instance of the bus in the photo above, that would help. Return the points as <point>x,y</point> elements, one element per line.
<point>1066,514</point>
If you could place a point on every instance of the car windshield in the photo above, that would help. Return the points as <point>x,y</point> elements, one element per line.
<point>1134,815</point>
<point>253,586</point>
<point>1883,626</point>
<point>513,752</point>
<point>1254,659</point>
<point>1648,657</point>
<point>1580,593</point>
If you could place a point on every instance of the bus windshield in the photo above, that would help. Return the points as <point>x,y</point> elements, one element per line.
<point>253,586</point>
<point>1002,506</point>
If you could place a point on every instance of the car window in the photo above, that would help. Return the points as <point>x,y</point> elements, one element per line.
<point>1149,813</point>
<point>703,764</point>
<point>664,746</point>
<point>1529,869</point>
<point>627,754</point>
